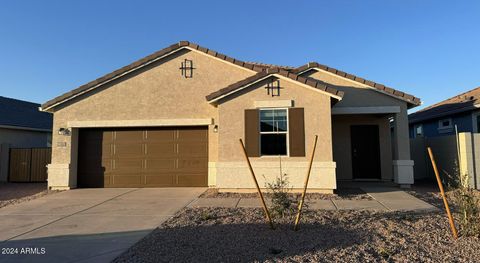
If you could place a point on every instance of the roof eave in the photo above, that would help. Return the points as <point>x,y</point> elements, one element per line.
<point>213,99</point>
<point>51,104</point>
<point>411,100</point>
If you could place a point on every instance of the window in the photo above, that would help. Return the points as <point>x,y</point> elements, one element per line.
<point>419,130</point>
<point>445,123</point>
<point>273,132</point>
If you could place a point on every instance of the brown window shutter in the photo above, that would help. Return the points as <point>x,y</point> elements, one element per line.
<point>252,139</point>
<point>296,130</point>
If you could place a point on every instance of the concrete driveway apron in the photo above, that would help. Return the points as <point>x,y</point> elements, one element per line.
<point>86,225</point>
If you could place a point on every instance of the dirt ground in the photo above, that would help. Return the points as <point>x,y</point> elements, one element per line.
<point>14,193</point>
<point>241,235</point>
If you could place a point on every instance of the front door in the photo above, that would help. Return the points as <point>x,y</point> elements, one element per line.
<point>365,151</point>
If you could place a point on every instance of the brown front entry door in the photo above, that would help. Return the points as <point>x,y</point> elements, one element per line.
<point>365,151</point>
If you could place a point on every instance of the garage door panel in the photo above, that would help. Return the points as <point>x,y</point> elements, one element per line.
<point>160,164</point>
<point>189,135</point>
<point>129,135</point>
<point>161,149</point>
<point>107,136</point>
<point>127,165</point>
<point>161,179</point>
<point>192,149</point>
<point>128,149</point>
<point>192,164</point>
<point>128,179</point>
<point>160,135</point>
<point>143,157</point>
<point>194,179</point>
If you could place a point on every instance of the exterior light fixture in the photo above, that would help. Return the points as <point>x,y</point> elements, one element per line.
<point>64,131</point>
<point>215,128</point>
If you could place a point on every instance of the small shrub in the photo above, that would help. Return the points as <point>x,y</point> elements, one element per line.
<point>468,203</point>
<point>385,252</point>
<point>452,181</point>
<point>282,201</point>
<point>206,216</point>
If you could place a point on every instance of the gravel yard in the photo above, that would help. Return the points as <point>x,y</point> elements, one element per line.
<point>340,194</point>
<point>14,193</point>
<point>241,235</point>
<point>430,194</point>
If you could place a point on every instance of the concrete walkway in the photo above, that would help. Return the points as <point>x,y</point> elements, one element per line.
<point>384,199</point>
<point>86,225</point>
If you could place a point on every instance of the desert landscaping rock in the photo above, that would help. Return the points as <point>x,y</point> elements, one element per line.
<point>15,193</point>
<point>341,194</point>
<point>241,235</point>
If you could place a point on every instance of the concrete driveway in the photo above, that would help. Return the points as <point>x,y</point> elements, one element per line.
<point>86,225</point>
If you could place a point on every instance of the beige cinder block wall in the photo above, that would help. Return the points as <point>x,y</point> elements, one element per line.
<point>342,148</point>
<point>150,96</point>
<point>360,95</point>
<point>232,171</point>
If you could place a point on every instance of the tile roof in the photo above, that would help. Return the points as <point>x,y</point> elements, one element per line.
<point>466,101</point>
<point>254,66</point>
<point>23,114</point>
<point>146,60</point>
<point>305,80</point>
<point>265,65</point>
<point>409,98</point>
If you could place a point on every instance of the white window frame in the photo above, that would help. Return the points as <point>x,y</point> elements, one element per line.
<point>440,124</point>
<point>274,132</point>
<point>415,128</point>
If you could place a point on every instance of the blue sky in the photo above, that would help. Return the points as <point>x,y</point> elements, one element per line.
<point>430,49</point>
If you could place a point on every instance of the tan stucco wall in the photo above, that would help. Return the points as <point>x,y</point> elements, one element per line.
<point>231,168</point>
<point>342,150</point>
<point>360,95</point>
<point>356,94</point>
<point>317,119</point>
<point>154,93</point>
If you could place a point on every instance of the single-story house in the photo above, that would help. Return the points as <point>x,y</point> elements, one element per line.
<point>441,118</point>
<point>175,117</point>
<point>22,125</point>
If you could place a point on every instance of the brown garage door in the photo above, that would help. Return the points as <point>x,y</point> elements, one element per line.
<point>145,157</point>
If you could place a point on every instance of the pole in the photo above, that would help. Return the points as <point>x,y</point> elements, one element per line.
<point>267,214</point>
<point>447,208</point>
<point>300,206</point>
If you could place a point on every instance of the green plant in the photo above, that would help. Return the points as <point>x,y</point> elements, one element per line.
<point>206,216</point>
<point>452,181</point>
<point>385,252</point>
<point>282,203</point>
<point>468,202</point>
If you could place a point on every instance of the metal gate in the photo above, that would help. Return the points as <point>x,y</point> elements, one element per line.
<point>29,164</point>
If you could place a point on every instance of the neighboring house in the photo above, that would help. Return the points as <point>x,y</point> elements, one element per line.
<point>22,125</point>
<point>441,118</point>
<point>174,118</point>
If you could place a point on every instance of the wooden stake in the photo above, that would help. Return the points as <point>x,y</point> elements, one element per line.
<point>447,208</point>
<point>300,206</point>
<point>267,214</point>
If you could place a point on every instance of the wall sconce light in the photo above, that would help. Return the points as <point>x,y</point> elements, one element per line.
<point>64,131</point>
<point>215,128</point>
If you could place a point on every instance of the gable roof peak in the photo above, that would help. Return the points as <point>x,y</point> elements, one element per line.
<point>309,82</point>
<point>412,100</point>
<point>141,63</point>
